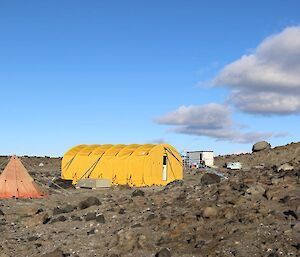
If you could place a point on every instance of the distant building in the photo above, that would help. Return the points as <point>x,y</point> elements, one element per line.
<point>199,158</point>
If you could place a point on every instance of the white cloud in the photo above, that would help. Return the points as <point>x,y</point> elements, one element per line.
<point>211,120</point>
<point>268,80</point>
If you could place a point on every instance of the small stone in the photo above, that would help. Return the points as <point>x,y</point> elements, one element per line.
<point>41,218</point>
<point>122,211</point>
<point>32,238</point>
<point>90,216</point>
<point>151,216</point>
<point>210,212</point>
<point>56,253</point>
<point>75,218</point>
<point>298,211</point>
<point>175,183</point>
<point>92,231</point>
<point>100,218</point>
<point>90,201</point>
<point>138,192</point>
<point>273,254</point>
<point>296,228</point>
<point>163,253</point>
<point>256,190</point>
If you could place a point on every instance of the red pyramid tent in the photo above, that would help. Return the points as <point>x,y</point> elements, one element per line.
<point>15,182</point>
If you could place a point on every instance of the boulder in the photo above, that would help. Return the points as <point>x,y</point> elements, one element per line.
<point>90,201</point>
<point>209,178</point>
<point>259,146</point>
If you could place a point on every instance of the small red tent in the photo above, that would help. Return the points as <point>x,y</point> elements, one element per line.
<point>15,182</point>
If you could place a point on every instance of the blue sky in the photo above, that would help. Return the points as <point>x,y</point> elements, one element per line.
<point>118,71</point>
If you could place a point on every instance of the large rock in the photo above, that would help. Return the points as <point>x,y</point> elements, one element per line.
<point>90,201</point>
<point>209,178</point>
<point>259,146</point>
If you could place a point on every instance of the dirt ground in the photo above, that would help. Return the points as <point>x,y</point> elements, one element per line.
<point>251,212</point>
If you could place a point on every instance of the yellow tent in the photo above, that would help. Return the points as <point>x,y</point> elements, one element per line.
<point>135,165</point>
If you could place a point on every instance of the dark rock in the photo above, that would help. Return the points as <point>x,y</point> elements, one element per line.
<point>273,254</point>
<point>56,253</point>
<point>297,246</point>
<point>122,211</point>
<point>138,192</point>
<point>92,231</point>
<point>75,218</point>
<point>209,178</point>
<point>61,218</point>
<point>1,213</point>
<point>100,218</point>
<point>68,208</point>
<point>64,183</point>
<point>151,216</point>
<point>200,243</point>
<point>32,238</point>
<point>290,213</point>
<point>163,253</point>
<point>90,201</point>
<point>57,211</point>
<point>259,146</point>
<point>90,216</point>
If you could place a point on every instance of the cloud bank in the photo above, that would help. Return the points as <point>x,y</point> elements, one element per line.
<point>211,120</point>
<point>267,81</point>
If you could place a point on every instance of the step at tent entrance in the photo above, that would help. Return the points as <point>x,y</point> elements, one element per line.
<point>135,165</point>
<point>15,182</point>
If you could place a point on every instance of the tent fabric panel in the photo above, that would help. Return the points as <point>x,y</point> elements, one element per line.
<point>135,165</point>
<point>15,182</point>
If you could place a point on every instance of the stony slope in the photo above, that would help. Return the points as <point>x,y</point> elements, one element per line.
<point>254,212</point>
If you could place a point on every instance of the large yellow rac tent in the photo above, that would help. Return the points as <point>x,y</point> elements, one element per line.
<point>135,165</point>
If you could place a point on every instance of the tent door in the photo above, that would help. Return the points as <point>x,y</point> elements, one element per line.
<point>165,165</point>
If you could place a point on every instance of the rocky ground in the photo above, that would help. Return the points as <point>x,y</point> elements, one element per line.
<point>251,212</point>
